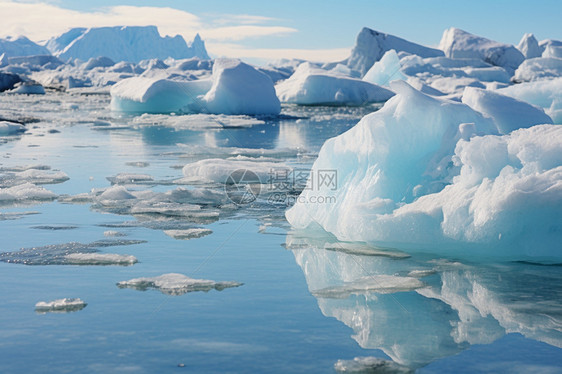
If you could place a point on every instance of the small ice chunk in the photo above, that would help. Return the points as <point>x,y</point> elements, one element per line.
<point>219,170</point>
<point>421,273</point>
<point>113,233</point>
<point>188,233</point>
<point>176,284</point>
<point>383,284</point>
<point>100,259</point>
<point>11,128</point>
<point>60,305</point>
<point>130,178</point>
<point>370,365</point>
<point>25,192</point>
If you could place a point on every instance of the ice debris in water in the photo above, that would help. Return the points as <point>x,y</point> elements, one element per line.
<point>197,121</point>
<point>11,128</point>
<point>375,283</point>
<point>60,306</point>
<point>58,254</point>
<point>25,192</point>
<point>364,365</point>
<point>221,171</point>
<point>176,284</point>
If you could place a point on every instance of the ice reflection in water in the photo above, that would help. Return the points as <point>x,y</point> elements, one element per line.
<point>461,304</point>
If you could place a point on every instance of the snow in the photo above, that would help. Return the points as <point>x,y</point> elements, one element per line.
<point>123,43</point>
<point>385,70</point>
<point>11,128</point>
<point>238,88</point>
<point>538,68</point>
<point>176,284</point>
<point>457,43</point>
<point>20,46</point>
<point>371,45</point>
<point>100,259</point>
<point>60,305</point>
<point>310,85</point>
<point>529,46</point>
<point>417,163</point>
<point>546,94</point>
<point>508,113</point>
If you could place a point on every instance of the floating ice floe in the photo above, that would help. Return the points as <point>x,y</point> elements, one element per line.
<point>25,192</point>
<point>188,234</point>
<point>72,253</point>
<point>244,171</point>
<point>60,306</point>
<point>538,68</point>
<point>364,365</point>
<point>310,85</point>
<point>100,259</point>
<point>176,284</point>
<point>383,284</point>
<point>458,43</point>
<point>31,175</point>
<point>417,164</point>
<point>27,88</point>
<point>508,113</point>
<point>197,121</point>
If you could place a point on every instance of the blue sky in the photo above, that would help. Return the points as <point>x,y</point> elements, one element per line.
<point>326,29</point>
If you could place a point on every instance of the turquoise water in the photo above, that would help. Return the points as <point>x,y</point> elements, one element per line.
<point>468,317</point>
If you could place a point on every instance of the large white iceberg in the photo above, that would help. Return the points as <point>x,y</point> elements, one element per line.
<point>458,43</point>
<point>123,43</point>
<point>20,46</point>
<point>310,85</point>
<point>414,175</point>
<point>508,113</point>
<point>371,45</point>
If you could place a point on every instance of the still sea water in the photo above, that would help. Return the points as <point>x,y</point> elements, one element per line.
<point>303,305</point>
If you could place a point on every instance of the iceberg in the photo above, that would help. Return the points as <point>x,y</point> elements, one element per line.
<point>458,43</point>
<point>176,284</point>
<point>441,184</point>
<point>314,86</point>
<point>553,51</point>
<point>123,43</point>
<point>537,69</point>
<point>27,88</point>
<point>238,88</point>
<point>8,81</point>
<point>508,113</point>
<point>371,46</point>
<point>148,95</point>
<point>385,70</point>
<point>235,88</point>
<point>60,305</point>
<point>529,46</point>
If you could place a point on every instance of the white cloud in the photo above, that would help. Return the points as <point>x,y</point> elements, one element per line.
<point>263,54</point>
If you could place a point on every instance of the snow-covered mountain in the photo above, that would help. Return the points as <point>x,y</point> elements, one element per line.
<point>21,46</point>
<point>123,43</point>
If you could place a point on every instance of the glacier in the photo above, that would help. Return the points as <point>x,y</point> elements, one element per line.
<point>123,43</point>
<point>433,175</point>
